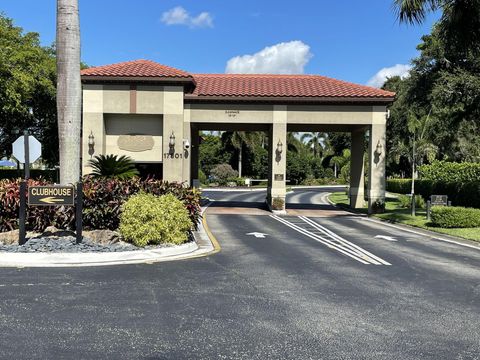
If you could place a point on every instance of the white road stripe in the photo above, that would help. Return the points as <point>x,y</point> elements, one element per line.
<point>322,240</point>
<point>342,240</point>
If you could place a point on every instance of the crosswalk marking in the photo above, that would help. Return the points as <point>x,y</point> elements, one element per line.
<point>330,239</point>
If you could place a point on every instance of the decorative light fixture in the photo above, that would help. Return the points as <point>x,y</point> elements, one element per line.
<point>172,140</point>
<point>279,147</point>
<point>378,149</point>
<point>91,144</point>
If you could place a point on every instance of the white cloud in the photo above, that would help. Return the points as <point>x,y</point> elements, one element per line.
<point>283,58</point>
<point>380,77</point>
<point>179,16</point>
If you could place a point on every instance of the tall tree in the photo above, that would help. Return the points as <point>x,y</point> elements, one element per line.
<point>69,90</point>
<point>459,24</point>
<point>27,89</point>
<point>315,141</point>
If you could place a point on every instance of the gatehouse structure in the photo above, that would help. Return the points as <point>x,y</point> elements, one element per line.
<point>153,113</point>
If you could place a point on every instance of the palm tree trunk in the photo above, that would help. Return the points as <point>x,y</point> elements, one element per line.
<point>240,161</point>
<point>69,90</point>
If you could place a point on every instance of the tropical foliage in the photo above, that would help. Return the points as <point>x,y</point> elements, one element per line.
<point>113,166</point>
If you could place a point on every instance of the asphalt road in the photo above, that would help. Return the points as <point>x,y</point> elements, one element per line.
<point>302,288</point>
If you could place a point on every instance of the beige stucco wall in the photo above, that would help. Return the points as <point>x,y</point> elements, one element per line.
<point>117,125</point>
<point>112,110</point>
<point>231,113</point>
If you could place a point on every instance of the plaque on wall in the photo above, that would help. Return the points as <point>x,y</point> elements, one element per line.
<point>278,177</point>
<point>135,143</point>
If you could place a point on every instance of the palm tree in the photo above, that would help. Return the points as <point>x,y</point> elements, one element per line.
<point>342,162</point>
<point>241,138</point>
<point>315,141</point>
<point>293,143</point>
<point>460,21</point>
<point>111,166</point>
<point>69,90</point>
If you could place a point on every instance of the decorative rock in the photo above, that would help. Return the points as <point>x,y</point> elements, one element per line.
<point>102,237</point>
<point>9,237</point>
<point>53,231</point>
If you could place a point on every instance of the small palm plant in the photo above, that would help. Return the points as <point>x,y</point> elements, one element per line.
<point>111,166</point>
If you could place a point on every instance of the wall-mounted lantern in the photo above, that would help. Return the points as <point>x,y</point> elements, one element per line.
<point>278,151</point>
<point>171,144</point>
<point>91,144</point>
<point>279,147</point>
<point>377,153</point>
<point>378,149</point>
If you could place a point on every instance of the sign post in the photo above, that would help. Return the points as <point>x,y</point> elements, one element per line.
<point>22,233</point>
<point>51,196</point>
<point>436,200</point>
<point>78,209</point>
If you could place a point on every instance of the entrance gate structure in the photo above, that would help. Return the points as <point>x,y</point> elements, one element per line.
<point>153,113</point>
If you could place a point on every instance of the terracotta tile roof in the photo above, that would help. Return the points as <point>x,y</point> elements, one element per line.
<point>242,85</point>
<point>246,85</point>
<point>137,68</point>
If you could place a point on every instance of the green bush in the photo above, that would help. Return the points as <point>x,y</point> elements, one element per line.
<point>278,203</point>
<point>113,166</point>
<point>223,172</point>
<point>455,217</point>
<point>445,171</point>
<point>405,201</point>
<point>102,203</point>
<point>462,194</point>
<point>399,186</point>
<point>149,219</point>
<point>202,177</point>
<point>50,175</point>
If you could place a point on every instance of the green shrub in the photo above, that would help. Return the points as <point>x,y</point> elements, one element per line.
<point>445,171</point>
<point>223,172</point>
<point>455,217</point>
<point>405,201</point>
<point>149,219</point>
<point>202,177</point>
<point>37,217</point>
<point>399,186</point>
<point>462,194</point>
<point>49,175</point>
<point>113,166</point>
<point>102,203</point>
<point>278,203</point>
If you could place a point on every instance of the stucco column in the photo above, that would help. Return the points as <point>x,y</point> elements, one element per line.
<point>195,136</point>
<point>277,154</point>
<point>187,151</point>
<point>376,153</point>
<point>173,154</point>
<point>357,170</point>
<point>92,123</point>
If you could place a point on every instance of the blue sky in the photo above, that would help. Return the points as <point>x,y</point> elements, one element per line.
<point>345,39</point>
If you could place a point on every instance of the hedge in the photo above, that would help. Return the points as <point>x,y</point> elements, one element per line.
<point>102,203</point>
<point>446,172</point>
<point>149,219</point>
<point>455,217</point>
<point>50,175</point>
<point>460,194</point>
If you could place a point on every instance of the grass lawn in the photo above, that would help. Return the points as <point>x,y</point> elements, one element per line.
<point>395,214</point>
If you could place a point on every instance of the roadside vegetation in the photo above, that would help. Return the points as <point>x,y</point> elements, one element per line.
<point>104,200</point>
<point>396,212</point>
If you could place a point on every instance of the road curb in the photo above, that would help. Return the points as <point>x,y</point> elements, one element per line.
<point>413,229</point>
<point>205,244</point>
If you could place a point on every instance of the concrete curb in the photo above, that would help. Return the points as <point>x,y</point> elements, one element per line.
<point>205,244</point>
<point>415,230</point>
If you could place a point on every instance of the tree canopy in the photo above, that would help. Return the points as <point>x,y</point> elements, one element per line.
<point>27,89</point>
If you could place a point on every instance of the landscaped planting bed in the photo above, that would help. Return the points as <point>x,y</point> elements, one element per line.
<point>103,204</point>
